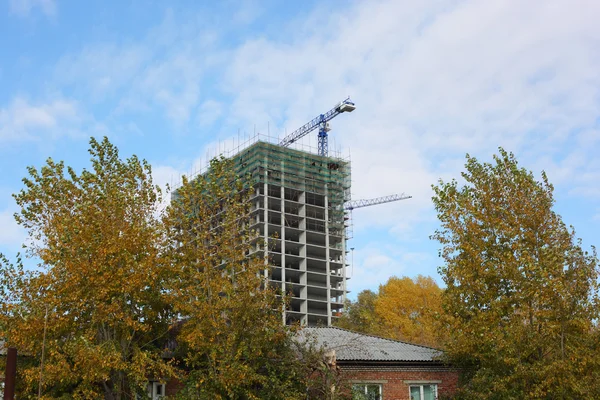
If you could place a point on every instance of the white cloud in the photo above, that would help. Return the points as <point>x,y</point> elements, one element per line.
<point>374,264</point>
<point>374,268</point>
<point>101,69</point>
<point>246,12</point>
<point>23,120</point>
<point>164,175</point>
<point>431,80</point>
<point>209,112</point>
<point>173,84</point>
<point>164,71</point>
<point>24,7</point>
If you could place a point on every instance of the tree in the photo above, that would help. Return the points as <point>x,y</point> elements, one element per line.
<point>95,311</point>
<point>408,309</point>
<point>360,315</point>
<point>232,338</point>
<point>402,309</point>
<point>521,295</point>
<point>120,279</point>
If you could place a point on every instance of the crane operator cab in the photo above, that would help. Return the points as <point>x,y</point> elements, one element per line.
<point>346,106</point>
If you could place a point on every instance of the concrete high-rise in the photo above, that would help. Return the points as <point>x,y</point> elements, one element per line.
<point>297,206</point>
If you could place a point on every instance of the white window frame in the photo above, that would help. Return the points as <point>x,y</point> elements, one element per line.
<point>153,389</point>
<point>365,386</point>
<point>420,385</point>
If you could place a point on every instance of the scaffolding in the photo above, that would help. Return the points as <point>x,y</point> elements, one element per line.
<point>232,148</point>
<point>298,207</point>
<point>298,170</point>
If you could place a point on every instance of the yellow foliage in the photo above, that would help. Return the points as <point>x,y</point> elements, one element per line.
<point>521,297</point>
<point>99,296</point>
<point>232,336</point>
<point>403,309</point>
<point>408,309</point>
<point>120,277</point>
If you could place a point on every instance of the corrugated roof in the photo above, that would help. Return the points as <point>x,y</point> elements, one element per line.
<point>353,346</point>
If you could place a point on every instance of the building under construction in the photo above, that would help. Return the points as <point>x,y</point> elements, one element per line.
<point>298,207</point>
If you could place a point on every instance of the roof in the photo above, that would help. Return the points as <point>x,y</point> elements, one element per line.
<point>354,346</point>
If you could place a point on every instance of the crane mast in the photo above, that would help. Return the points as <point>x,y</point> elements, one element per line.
<point>321,122</point>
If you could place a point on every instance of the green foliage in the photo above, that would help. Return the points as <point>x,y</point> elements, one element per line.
<point>359,315</point>
<point>325,380</point>
<point>522,296</point>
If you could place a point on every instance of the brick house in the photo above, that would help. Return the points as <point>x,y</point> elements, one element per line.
<point>384,369</point>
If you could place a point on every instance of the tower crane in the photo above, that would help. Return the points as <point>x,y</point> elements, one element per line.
<point>351,205</point>
<point>321,122</point>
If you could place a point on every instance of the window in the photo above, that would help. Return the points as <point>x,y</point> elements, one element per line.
<point>156,390</point>
<point>366,391</point>
<point>427,391</point>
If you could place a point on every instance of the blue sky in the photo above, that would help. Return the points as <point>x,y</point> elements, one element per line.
<point>432,80</point>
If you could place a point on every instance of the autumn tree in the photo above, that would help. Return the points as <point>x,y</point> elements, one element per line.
<point>95,311</point>
<point>409,308</point>
<point>359,315</point>
<point>122,281</point>
<point>402,309</point>
<point>521,294</point>
<point>232,340</point>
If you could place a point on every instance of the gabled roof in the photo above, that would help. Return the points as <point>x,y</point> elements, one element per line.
<point>353,346</point>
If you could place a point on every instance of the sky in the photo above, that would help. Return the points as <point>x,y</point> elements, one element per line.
<point>174,82</point>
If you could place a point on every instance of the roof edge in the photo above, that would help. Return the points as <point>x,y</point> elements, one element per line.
<point>375,336</point>
<point>387,363</point>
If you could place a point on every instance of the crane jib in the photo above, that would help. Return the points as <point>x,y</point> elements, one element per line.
<point>351,205</point>
<point>319,122</point>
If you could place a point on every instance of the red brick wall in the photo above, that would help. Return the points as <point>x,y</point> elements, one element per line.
<point>393,379</point>
<point>173,386</point>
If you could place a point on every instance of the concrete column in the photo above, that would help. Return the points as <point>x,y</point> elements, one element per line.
<point>282,202</point>
<point>266,223</point>
<point>344,265</point>
<point>327,265</point>
<point>304,262</point>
